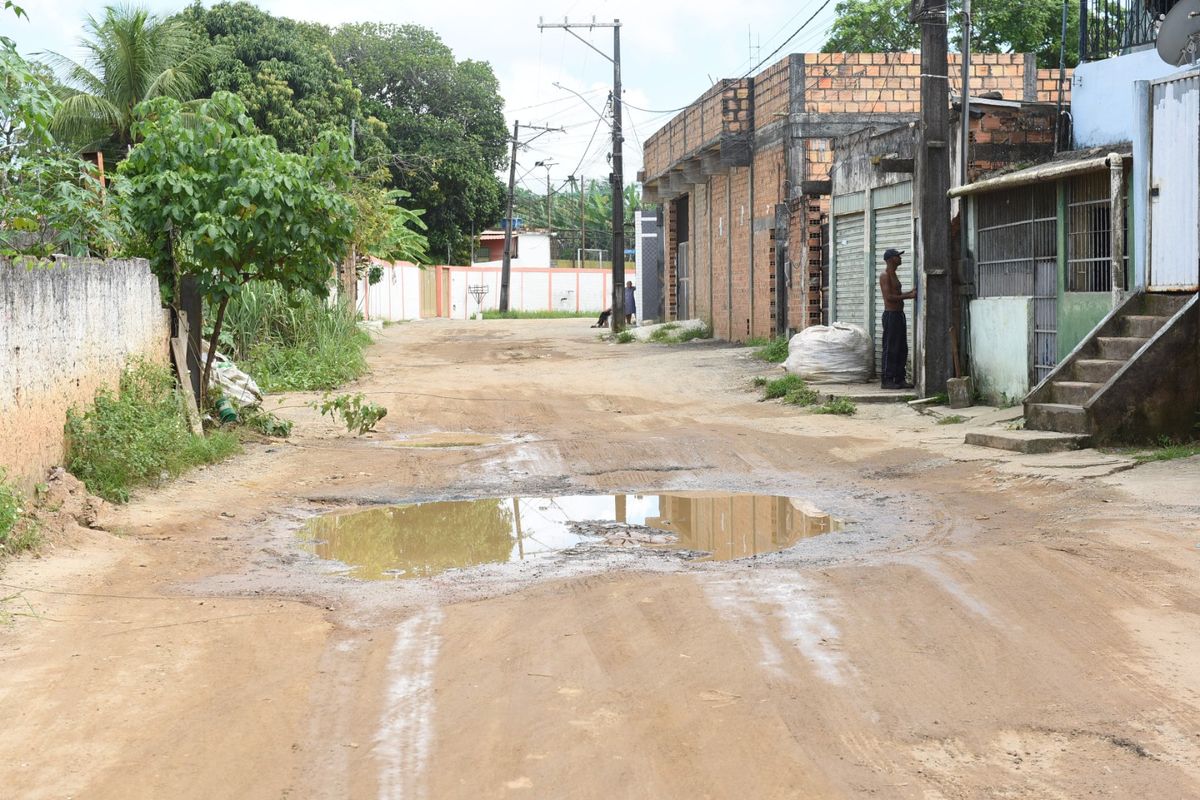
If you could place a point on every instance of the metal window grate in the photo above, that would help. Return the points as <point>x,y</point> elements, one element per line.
<point>1017,230</point>
<point>1112,27</point>
<point>1089,234</point>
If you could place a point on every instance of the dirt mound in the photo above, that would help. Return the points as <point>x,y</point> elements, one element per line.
<point>65,510</point>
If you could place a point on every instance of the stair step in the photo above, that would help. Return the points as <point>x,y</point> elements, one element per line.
<point>1119,347</point>
<point>1095,370</point>
<point>1075,393</point>
<point>1029,442</point>
<point>1143,325</point>
<point>1059,417</point>
<point>1163,304</point>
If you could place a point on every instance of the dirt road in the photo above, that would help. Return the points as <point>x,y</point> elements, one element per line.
<point>983,627</point>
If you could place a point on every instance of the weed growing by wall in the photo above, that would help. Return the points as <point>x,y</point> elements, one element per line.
<point>137,434</point>
<point>17,531</point>
<point>293,341</point>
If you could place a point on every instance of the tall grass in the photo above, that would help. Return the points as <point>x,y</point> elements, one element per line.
<point>17,530</point>
<point>135,435</point>
<point>293,342</point>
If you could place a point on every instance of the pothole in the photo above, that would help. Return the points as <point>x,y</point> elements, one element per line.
<point>445,439</point>
<point>423,539</point>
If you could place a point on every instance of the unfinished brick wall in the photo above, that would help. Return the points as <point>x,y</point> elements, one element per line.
<point>729,216</point>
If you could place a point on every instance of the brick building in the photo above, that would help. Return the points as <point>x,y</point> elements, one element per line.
<point>742,176</point>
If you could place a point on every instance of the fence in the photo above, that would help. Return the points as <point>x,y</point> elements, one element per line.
<point>409,292</point>
<point>1110,28</point>
<point>67,329</point>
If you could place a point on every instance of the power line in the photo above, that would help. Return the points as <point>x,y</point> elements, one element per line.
<point>784,44</point>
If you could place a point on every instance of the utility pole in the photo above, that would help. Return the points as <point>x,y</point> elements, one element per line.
<point>933,178</point>
<point>549,195</point>
<point>506,265</point>
<point>617,178</point>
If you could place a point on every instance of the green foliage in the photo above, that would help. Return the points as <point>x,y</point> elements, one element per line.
<point>17,531</point>
<point>292,341</point>
<point>266,423</point>
<point>131,56</point>
<point>537,314</point>
<point>442,125</point>
<point>673,333</point>
<point>774,351</point>
<point>802,396</point>
<point>283,70</point>
<point>952,419</point>
<point>566,212</point>
<point>385,229</point>
<point>998,26</point>
<point>625,337</point>
<point>357,413</point>
<point>221,200</point>
<point>1168,450</point>
<point>52,201</point>
<point>837,405</point>
<point>759,381</point>
<point>132,436</point>
<point>941,399</point>
<point>778,387</point>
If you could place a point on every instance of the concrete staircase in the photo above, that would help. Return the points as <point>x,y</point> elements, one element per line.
<point>1130,379</point>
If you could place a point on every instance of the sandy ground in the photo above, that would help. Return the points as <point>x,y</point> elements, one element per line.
<point>987,625</point>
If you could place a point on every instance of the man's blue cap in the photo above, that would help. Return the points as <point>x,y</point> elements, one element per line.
<point>891,252</point>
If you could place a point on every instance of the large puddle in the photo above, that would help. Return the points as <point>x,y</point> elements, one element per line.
<point>424,539</point>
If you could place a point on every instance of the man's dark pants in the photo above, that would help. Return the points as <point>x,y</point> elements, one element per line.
<point>895,348</point>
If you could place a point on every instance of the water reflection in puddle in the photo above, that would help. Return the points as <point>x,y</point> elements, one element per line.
<point>423,539</point>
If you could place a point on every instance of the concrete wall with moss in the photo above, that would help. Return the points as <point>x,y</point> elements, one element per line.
<point>67,328</point>
<point>1002,347</point>
<point>1078,314</point>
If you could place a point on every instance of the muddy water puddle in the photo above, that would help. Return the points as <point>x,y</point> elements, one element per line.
<point>423,539</point>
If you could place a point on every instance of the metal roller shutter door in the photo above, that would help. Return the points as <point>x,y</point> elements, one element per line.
<point>892,228</point>
<point>851,279</point>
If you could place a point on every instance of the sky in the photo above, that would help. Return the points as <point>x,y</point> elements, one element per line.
<point>672,52</point>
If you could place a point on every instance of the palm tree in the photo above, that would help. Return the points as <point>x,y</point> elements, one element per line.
<point>132,56</point>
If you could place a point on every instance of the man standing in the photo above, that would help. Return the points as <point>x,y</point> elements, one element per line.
<point>630,303</point>
<point>895,325</point>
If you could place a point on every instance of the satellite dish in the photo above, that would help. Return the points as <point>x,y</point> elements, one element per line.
<point>1179,34</point>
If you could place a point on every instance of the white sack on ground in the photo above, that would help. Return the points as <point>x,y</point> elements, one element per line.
<point>837,353</point>
<point>235,384</point>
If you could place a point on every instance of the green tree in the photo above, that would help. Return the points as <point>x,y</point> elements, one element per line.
<point>214,198</point>
<point>998,26</point>
<point>53,201</point>
<point>444,135</point>
<point>284,71</point>
<point>132,56</point>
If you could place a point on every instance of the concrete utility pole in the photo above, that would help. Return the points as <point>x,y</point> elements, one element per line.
<point>506,266</point>
<point>617,178</point>
<point>933,180</point>
<point>549,196</point>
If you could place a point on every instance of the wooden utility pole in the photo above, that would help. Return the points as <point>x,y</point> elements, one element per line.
<point>506,265</point>
<point>617,178</point>
<point>933,181</point>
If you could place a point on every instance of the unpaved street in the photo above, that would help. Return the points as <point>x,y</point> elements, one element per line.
<point>983,626</point>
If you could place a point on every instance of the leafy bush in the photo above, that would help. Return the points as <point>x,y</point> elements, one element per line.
<point>774,351</point>
<point>266,423</point>
<point>625,337</point>
<point>802,396</point>
<point>356,412</point>
<point>133,436</point>
<point>673,333</point>
<point>293,341</point>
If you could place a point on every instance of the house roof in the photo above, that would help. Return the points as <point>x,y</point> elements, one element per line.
<point>1071,162</point>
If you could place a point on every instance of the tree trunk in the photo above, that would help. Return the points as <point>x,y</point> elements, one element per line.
<point>212,351</point>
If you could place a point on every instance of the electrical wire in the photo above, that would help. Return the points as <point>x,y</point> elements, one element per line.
<point>784,44</point>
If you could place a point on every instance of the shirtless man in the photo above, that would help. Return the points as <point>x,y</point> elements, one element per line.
<point>895,326</point>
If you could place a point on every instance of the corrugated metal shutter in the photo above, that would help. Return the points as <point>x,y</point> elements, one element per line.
<point>893,228</point>
<point>851,279</point>
<point>1174,205</point>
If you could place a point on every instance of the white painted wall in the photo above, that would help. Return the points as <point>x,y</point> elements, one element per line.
<point>1102,96</point>
<point>530,290</point>
<point>1002,347</point>
<point>67,328</point>
<point>533,250</point>
<point>396,297</point>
